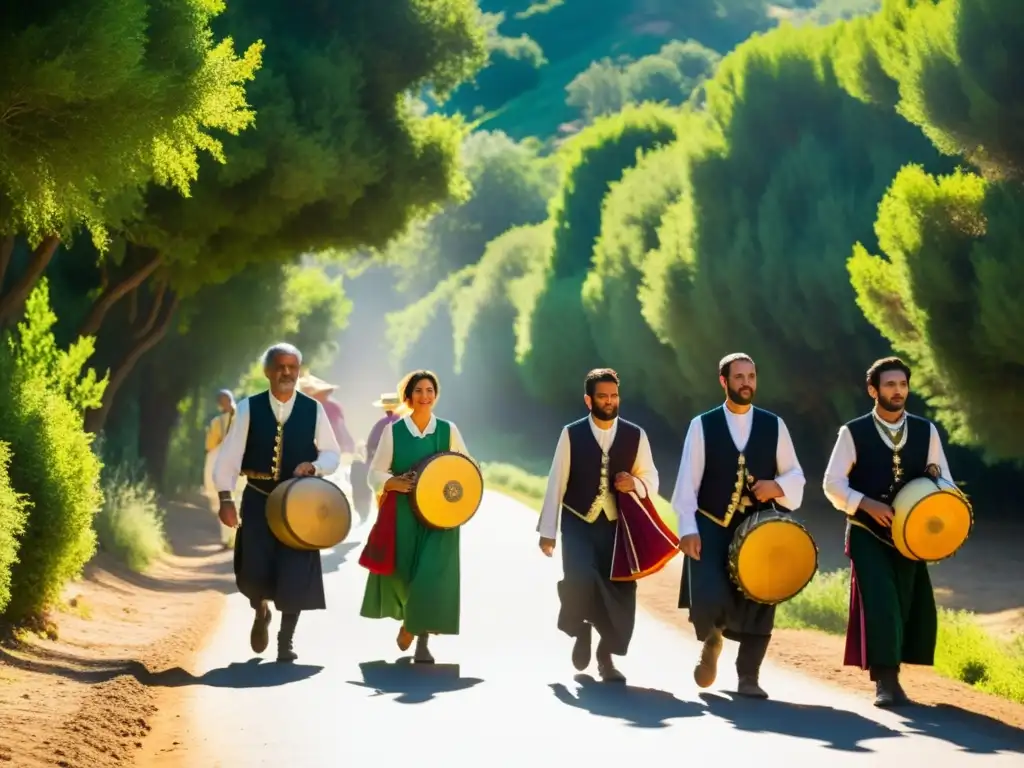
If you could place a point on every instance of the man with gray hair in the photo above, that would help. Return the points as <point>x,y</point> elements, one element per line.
<point>276,435</point>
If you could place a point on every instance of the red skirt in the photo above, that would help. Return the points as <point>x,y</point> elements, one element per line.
<point>378,555</point>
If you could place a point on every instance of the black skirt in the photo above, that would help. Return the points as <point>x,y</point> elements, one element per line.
<point>265,569</point>
<point>586,593</point>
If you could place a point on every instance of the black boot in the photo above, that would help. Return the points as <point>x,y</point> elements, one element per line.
<point>606,666</point>
<point>581,648</point>
<point>285,654</point>
<point>259,634</point>
<point>748,666</point>
<point>888,691</point>
<point>422,654</point>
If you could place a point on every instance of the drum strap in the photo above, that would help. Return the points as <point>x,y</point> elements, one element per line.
<point>258,490</point>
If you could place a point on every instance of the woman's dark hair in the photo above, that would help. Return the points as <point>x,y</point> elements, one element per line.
<point>886,364</point>
<point>408,384</point>
<point>596,376</point>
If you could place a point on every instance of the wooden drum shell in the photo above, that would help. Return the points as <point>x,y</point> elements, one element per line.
<point>309,513</point>
<point>772,557</point>
<point>932,520</point>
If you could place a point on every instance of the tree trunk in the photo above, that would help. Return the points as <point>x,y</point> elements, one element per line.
<point>6,250</point>
<point>158,411</point>
<point>95,419</point>
<point>12,303</point>
<point>114,293</point>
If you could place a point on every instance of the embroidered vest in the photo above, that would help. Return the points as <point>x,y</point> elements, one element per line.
<point>592,472</point>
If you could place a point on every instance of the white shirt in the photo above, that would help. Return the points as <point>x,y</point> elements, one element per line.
<point>379,471</point>
<point>229,462</point>
<point>691,467</point>
<point>836,483</point>
<point>558,476</point>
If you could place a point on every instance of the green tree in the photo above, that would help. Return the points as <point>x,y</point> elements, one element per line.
<point>97,99</point>
<point>555,362</point>
<point>14,508</point>
<point>946,293</point>
<point>752,257</point>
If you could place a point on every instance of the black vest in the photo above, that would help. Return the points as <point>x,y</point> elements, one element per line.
<point>721,459</point>
<point>872,473</point>
<point>297,444</point>
<point>585,462</point>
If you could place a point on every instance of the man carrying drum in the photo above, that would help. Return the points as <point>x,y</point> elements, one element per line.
<point>593,454</point>
<point>276,435</point>
<point>731,453</point>
<point>892,607</point>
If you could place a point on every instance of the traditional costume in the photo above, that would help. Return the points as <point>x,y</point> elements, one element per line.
<point>723,453</point>
<point>216,432</point>
<point>268,440</point>
<point>415,571</point>
<point>321,391</point>
<point>892,619</point>
<point>581,483</point>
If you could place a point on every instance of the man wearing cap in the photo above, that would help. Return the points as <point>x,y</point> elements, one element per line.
<point>321,391</point>
<point>215,434</point>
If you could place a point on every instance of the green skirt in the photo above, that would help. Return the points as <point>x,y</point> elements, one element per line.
<point>424,591</point>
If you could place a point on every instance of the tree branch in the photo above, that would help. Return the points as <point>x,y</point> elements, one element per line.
<point>114,293</point>
<point>11,304</point>
<point>154,311</point>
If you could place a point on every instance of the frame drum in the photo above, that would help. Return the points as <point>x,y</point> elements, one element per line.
<point>772,557</point>
<point>448,490</point>
<point>932,519</point>
<point>309,513</point>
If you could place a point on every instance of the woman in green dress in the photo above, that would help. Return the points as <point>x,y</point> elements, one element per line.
<point>422,588</point>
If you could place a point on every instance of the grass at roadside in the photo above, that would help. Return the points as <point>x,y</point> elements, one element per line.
<point>965,651</point>
<point>130,523</point>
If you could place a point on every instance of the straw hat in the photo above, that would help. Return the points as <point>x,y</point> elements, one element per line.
<point>313,385</point>
<point>388,400</point>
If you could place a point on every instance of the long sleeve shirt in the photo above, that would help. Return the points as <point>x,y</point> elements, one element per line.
<point>229,460</point>
<point>790,475</point>
<point>218,430</point>
<point>379,471</point>
<point>836,482</point>
<point>376,432</point>
<point>558,476</point>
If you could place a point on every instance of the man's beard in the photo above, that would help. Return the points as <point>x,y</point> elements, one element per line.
<point>606,414</point>
<point>739,399</point>
<point>889,406</point>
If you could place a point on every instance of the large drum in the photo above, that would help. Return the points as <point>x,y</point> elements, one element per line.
<point>447,490</point>
<point>309,513</point>
<point>772,557</point>
<point>932,519</point>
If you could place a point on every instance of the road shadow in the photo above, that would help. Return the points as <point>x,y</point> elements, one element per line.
<point>254,673</point>
<point>414,683</point>
<point>640,707</point>
<point>333,559</point>
<point>972,733</point>
<point>838,729</point>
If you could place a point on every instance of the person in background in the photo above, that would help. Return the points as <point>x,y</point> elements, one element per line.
<point>321,391</point>
<point>362,493</point>
<point>215,434</point>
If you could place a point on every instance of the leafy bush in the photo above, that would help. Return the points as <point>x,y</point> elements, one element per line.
<point>130,523</point>
<point>55,467</point>
<point>13,510</point>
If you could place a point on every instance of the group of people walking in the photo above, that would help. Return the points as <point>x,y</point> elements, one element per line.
<point>736,457</point>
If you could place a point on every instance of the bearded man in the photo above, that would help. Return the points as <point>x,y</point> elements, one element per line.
<point>592,454</point>
<point>735,457</point>
<point>892,620</point>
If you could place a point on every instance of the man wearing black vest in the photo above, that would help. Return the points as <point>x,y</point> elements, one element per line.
<point>735,457</point>
<point>593,455</point>
<point>892,607</point>
<point>276,435</point>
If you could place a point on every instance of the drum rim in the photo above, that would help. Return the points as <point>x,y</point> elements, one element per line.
<point>288,485</point>
<point>952,491</point>
<point>412,496</point>
<point>786,517</point>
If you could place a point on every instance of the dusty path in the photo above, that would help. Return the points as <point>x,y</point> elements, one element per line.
<point>504,694</point>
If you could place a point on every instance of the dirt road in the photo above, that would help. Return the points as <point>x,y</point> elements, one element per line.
<point>503,693</point>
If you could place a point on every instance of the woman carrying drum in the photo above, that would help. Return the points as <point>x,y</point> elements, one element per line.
<point>414,569</point>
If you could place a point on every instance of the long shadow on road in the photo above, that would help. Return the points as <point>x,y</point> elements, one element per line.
<point>414,684</point>
<point>845,731</point>
<point>640,707</point>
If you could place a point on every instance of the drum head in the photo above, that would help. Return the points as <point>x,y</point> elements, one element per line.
<point>777,560</point>
<point>315,512</point>
<point>448,492</point>
<point>936,527</point>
